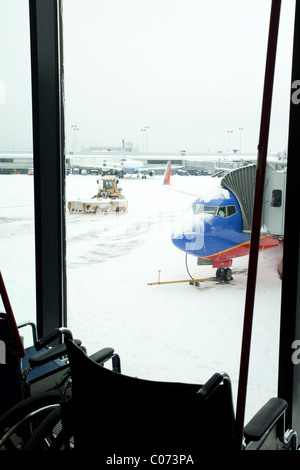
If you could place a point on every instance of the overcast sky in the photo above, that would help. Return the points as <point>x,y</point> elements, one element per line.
<point>189,70</point>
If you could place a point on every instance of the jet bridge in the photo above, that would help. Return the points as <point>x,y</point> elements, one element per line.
<point>241,182</point>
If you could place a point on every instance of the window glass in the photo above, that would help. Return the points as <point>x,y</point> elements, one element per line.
<point>179,81</point>
<point>276,197</point>
<point>17,253</point>
<point>222,212</point>
<point>231,210</point>
<point>210,209</point>
<point>200,208</point>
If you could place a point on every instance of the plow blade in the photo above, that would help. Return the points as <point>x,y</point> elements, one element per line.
<point>98,206</point>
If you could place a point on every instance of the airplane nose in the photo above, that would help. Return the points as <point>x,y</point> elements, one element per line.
<point>179,242</point>
<point>189,236</point>
<point>189,242</point>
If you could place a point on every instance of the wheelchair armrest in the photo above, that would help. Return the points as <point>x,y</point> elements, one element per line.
<point>265,419</point>
<point>104,355</point>
<point>49,354</point>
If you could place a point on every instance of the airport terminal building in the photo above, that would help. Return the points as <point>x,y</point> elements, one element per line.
<point>90,159</point>
<point>16,163</point>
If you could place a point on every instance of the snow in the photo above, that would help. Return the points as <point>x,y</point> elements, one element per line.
<point>215,194</point>
<point>174,332</point>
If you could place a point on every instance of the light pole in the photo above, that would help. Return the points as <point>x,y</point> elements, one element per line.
<point>143,130</point>
<point>75,128</point>
<point>147,129</point>
<point>241,129</point>
<point>229,136</point>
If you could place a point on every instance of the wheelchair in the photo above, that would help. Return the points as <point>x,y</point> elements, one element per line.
<point>34,386</point>
<point>117,415</point>
<point>164,418</point>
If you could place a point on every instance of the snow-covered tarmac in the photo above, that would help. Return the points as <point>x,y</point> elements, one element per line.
<point>167,332</point>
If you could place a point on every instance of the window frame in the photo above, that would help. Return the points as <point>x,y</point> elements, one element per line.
<point>49,163</point>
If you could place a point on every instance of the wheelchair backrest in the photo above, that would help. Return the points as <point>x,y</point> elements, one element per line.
<point>113,412</point>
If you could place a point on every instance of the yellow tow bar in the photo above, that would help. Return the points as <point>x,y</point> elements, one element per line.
<point>191,281</point>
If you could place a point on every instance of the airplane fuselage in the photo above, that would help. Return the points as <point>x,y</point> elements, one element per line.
<point>213,231</point>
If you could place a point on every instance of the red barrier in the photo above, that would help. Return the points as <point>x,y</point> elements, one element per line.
<point>16,338</point>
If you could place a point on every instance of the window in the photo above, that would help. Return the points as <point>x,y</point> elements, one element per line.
<point>276,198</point>
<point>108,184</point>
<point>17,247</point>
<point>222,212</point>
<point>226,211</point>
<point>231,210</point>
<point>201,208</point>
<point>149,73</point>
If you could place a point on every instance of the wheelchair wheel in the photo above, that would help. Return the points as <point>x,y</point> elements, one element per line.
<point>20,422</point>
<point>50,434</point>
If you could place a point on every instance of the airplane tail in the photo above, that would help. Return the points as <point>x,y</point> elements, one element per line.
<point>167,175</point>
<point>123,146</point>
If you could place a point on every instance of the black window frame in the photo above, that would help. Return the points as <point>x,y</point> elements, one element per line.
<point>49,163</point>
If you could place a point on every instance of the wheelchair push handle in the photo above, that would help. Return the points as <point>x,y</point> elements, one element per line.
<point>52,336</point>
<point>212,384</point>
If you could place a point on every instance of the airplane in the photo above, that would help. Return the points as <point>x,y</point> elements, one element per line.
<point>217,226</point>
<point>127,168</point>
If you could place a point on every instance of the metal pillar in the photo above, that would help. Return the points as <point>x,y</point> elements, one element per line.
<point>289,369</point>
<point>49,163</point>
